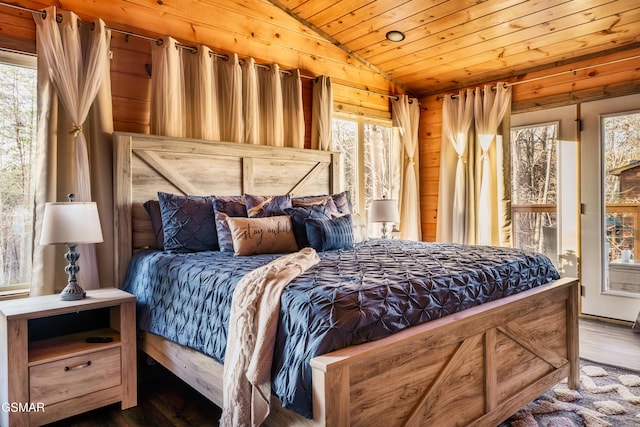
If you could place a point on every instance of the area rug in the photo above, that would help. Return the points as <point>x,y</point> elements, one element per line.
<point>608,396</point>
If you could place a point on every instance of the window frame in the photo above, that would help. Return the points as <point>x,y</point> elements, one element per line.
<point>360,147</point>
<point>27,60</point>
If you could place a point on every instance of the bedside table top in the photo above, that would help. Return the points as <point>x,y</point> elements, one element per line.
<point>48,305</point>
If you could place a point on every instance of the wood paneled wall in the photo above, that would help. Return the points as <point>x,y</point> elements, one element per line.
<point>229,29</point>
<point>551,88</point>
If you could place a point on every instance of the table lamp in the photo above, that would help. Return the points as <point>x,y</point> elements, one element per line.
<point>71,223</point>
<point>384,211</point>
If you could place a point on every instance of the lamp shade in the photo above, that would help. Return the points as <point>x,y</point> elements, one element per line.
<point>384,210</point>
<point>70,222</point>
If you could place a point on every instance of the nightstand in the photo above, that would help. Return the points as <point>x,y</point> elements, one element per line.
<point>48,370</point>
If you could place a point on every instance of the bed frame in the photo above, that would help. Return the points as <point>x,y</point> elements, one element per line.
<point>475,367</point>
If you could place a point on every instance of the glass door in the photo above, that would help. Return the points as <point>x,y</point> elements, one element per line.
<point>544,187</point>
<point>611,207</point>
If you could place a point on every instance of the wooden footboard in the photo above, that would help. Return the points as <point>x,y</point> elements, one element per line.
<point>476,367</point>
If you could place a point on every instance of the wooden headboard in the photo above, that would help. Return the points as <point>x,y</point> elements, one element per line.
<point>146,164</point>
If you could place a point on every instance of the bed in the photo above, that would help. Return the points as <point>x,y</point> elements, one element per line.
<point>476,366</point>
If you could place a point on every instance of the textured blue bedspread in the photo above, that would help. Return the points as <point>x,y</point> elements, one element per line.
<point>350,297</point>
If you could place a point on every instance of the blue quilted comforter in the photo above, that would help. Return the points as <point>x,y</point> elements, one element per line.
<point>350,297</point>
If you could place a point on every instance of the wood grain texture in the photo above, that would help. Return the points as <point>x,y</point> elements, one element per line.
<point>64,372</point>
<point>148,164</point>
<point>592,82</point>
<point>428,374</point>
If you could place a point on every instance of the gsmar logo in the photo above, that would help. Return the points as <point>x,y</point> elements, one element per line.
<point>22,407</point>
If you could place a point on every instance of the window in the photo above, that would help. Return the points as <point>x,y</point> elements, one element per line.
<point>18,107</point>
<point>534,188</point>
<point>371,160</point>
<point>621,158</point>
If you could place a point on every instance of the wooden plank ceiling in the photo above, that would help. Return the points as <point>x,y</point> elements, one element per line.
<point>449,44</point>
<point>453,44</point>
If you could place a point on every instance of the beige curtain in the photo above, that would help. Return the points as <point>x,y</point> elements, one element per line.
<point>167,89</point>
<point>200,94</point>
<point>250,107</point>
<point>454,208</point>
<point>321,112</point>
<point>405,114</point>
<point>230,99</point>
<point>270,101</point>
<point>473,203</point>
<point>293,110</point>
<point>196,94</point>
<point>73,73</point>
<point>489,109</point>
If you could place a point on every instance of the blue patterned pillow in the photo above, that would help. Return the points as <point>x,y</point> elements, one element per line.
<point>326,201</point>
<point>264,206</point>
<point>299,215</point>
<point>328,234</point>
<point>187,223</point>
<point>343,202</point>
<point>224,207</point>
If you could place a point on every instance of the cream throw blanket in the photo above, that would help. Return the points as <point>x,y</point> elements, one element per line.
<point>252,328</point>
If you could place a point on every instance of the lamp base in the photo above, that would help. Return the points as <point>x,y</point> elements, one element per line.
<point>72,292</point>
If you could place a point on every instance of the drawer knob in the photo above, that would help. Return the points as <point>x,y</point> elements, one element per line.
<point>83,365</point>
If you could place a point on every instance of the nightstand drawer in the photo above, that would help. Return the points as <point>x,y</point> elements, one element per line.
<point>74,376</point>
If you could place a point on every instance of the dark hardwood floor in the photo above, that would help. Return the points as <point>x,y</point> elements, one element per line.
<point>164,400</point>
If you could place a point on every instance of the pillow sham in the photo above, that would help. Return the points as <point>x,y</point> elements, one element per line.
<point>225,207</point>
<point>268,235</point>
<point>328,234</point>
<point>263,206</point>
<point>153,209</point>
<point>306,201</point>
<point>299,215</point>
<point>187,223</point>
<point>342,202</point>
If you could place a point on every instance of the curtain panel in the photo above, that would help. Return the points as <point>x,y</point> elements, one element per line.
<point>251,109</point>
<point>270,102</point>
<point>321,112</point>
<point>200,94</point>
<point>473,203</point>
<point>405,115</point>
<point>457,117</point>
<point>293,110</point>
<point>167,89</point>
<point>73,73</point>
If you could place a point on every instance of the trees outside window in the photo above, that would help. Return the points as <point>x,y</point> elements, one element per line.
<point>621,156</point>
<point>371,154</point>
<point>18,108</point>
<point>534,187</point>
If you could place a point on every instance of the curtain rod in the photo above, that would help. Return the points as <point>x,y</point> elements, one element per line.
<point>191,48</point>
<point>560,73</point>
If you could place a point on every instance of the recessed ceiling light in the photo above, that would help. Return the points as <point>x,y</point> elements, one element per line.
<point>395,36</point>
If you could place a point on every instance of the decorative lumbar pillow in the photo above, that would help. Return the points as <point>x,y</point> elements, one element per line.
<point>299,215</point>
<point>187,223</point>
<point>263,206</point>
<point>225,207</point>
<point>153,209</point>
<point>326,201</point>
<point>360,233</point>
<point>270,235</point>
<point>342,202</point>
<point>328,234</point>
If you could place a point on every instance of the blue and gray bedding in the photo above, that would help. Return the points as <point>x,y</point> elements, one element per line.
<point>352,296</point>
